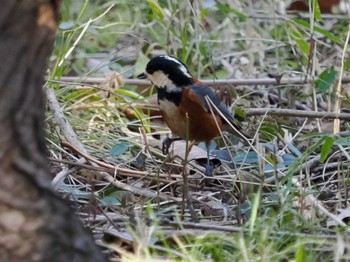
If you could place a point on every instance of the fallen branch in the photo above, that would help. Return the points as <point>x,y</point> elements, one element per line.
<point>252,81</point>
<point>295,113</point>
<point>269,111</point>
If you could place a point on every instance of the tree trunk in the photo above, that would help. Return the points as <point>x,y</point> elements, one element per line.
<point>35,224</point>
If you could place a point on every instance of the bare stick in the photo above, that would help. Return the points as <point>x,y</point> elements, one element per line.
<point>336,108</point>
<point>296,113</point>
<point>218,82</point>
<point>62,121</point>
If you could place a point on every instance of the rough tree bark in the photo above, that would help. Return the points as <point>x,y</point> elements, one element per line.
<point>35,224</point>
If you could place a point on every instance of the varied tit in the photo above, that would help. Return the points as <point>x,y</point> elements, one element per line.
<point>184,103</point>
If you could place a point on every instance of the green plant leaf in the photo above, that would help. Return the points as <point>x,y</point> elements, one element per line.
<point>297,36</point>
<point>344,141</point>
<point>129,93</point>
<point>326,79</point>
<point>317,29</point>
<point>326,148</point>
<point>226,9</point>
<point>347,64</point>
<point>118,149</point>
<point>304,46</point>
<point>316,9</point>
<point>306,154</point>
<point>75,193</point>
<point>141,63</point>
<point>289,159</point>
<point>254,212</point>
<point>250,158</point>
<point>268,131</point>
<point>203,13</point>
<point>222,73</point>
<point>156,9</point>
<point>203,49</point>
<point>66,25</point>
<point>313,135</point>
<point>79,94</point>
<point>110,201</point>
<point>240,114</point>
<point>300,254</point>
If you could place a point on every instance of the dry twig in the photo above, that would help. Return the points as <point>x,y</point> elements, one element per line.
<point>218,82</point>
<point>296,113</point>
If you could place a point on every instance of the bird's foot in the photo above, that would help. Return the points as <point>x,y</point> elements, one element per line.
<point>167,143</point>
<point>209,168</point>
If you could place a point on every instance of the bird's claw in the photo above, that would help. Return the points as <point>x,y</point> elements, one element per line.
<point>167,143</point>
<point>209,168</point>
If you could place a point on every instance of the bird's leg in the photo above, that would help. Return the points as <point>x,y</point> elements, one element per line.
<point>167,143</point>
<point>209,167</point>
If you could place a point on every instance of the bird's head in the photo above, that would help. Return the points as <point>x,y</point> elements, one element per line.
<point>167,72</point>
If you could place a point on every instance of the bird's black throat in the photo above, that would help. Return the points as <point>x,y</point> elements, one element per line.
<point>173,96</point>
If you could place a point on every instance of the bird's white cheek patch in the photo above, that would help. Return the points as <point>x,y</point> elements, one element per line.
<point>160,79</point>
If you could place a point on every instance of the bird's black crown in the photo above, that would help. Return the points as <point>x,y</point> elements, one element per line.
<point>176,71</point>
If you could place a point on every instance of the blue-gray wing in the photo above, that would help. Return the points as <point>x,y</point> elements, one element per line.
<point>202,91</point>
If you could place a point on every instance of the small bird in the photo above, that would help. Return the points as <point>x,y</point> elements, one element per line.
<point>184,103</point>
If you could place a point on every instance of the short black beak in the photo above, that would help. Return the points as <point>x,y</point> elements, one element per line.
<point>142,76</point>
